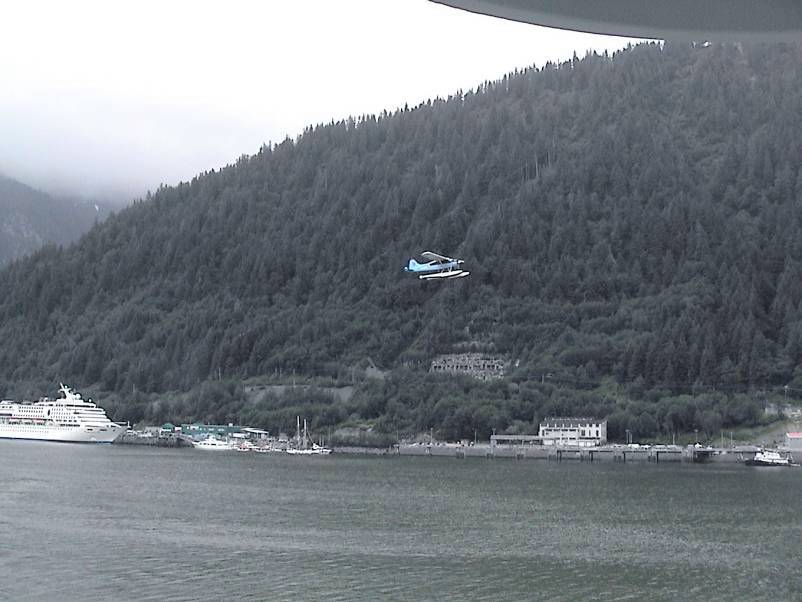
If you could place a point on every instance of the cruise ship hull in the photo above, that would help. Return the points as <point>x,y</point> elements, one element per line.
<point>67,434</point>
<point>70,419</point>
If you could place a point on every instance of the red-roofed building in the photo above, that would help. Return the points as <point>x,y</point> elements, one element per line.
<point>793,440</point>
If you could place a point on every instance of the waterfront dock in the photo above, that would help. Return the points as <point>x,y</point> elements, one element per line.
<point>160,440</point>
<point>604,453</point>
<point>614,453</point>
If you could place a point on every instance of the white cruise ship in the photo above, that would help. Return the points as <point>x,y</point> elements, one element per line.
<point>70,418</point>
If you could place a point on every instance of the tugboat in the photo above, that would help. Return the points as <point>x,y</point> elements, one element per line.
<point>770,458</point>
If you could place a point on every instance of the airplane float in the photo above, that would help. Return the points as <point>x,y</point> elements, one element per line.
<point>437,267</point>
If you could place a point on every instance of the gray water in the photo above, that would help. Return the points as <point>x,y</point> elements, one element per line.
<point>125,522</point>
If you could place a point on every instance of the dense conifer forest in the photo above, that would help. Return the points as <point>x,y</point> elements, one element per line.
<point>631,224</point>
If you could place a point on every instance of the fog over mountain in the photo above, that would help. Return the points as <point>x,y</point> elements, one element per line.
<point>92,109</point>
<point>30,219</point>
<point>113,149</point>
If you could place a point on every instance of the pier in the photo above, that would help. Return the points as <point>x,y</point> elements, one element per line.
<point>161,440</point>
<point>515,448</point>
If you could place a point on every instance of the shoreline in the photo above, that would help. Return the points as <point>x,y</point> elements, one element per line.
<point>605,454</point>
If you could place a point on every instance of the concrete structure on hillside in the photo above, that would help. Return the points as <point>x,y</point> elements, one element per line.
<point>789,411</point>
<point>371,371</point>
<point>477,365</point>
<point>580,432</point>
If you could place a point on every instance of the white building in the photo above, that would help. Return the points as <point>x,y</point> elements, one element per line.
<point>793,441</point>
<point>579,432</point>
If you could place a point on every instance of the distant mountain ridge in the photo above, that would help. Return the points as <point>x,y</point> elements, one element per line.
<point>30,219</point>
<point>631,225</point>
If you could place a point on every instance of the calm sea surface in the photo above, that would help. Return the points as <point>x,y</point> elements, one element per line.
<point>121,522</point>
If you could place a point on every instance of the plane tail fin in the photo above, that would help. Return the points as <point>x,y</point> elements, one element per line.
<point>411,266</point>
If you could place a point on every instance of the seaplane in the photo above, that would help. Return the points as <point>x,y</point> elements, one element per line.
<point>436,267</point>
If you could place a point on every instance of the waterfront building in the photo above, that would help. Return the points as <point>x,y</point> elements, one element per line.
<point>580,432</point>
<point>793,441</point>
<point>254,434</point>
<point>202,431</point>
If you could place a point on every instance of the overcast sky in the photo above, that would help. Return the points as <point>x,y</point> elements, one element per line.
<point>113,98</point>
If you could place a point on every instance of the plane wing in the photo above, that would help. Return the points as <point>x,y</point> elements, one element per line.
<point>712,20</point>
<point>435,257</point>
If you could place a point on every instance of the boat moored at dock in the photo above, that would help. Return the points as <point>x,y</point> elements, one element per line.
<point>68,419</point>
<point>214,444</point>
<point>304,446</point>
<point>314,450</point>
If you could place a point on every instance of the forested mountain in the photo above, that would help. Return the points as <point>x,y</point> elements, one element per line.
<point>631,224</point>
<point>30,219</point>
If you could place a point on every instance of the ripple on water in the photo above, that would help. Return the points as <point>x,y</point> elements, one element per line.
<point>155,524</point>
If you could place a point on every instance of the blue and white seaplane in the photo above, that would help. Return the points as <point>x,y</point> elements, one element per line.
<point>436,267</point>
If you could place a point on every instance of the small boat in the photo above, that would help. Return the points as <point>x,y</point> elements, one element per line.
<point>770,458</point>
<point>269,449</point>
<point>214,444</point>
